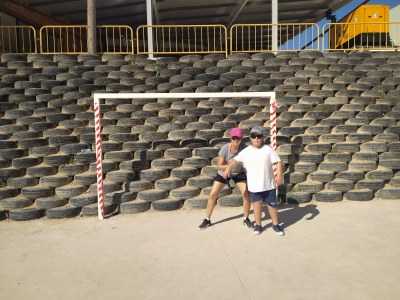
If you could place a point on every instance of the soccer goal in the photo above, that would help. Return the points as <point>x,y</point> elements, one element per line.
<point>98,97</point>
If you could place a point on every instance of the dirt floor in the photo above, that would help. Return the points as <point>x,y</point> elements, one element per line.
<point>346,250</point>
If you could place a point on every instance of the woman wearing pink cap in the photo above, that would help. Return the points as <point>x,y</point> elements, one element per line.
<point>225,154</point>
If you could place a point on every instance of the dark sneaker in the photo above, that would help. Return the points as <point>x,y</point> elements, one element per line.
<point>205,224</point>
<point>278,229</point>
<point>257,229</point>
<point>247,223</point>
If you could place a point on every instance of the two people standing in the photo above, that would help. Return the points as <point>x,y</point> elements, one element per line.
<point>258,159</point>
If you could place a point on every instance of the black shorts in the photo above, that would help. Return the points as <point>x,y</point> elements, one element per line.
<point>238,178</point>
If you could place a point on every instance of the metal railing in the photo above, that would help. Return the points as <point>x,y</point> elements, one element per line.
<point>182,39</point>
<point>63,39</point>
<point>71,39</point>
<point>115,39</point>
<point>366,36</point>
<point>17,39</point>
<point>202,39</point>
<point>253,38</point>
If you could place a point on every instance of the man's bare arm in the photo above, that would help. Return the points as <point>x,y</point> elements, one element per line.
<point>279,174</point>
<point>231,164</point>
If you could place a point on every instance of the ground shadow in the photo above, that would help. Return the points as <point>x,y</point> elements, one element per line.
<point>239,216</point>
<point>290,214</point>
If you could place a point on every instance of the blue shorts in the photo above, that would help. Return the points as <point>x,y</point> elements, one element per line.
<point>269,197</point>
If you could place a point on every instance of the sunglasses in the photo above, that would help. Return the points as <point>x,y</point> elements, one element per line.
<point>236,138</point>
<point>256,136</point>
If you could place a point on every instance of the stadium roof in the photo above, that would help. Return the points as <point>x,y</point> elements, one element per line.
<point>133,12</point>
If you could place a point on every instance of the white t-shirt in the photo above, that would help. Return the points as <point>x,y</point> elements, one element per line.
<point>259,166</point>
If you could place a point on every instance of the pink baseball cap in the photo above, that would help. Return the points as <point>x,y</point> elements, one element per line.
<point>236,132</point>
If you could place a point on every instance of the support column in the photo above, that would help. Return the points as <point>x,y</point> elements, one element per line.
<point>149,11</point>
<point>91,26</point>
<point>274,20</point>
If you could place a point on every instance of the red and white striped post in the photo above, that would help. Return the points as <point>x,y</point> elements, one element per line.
<point>99,167</point>
<point>272,125</point>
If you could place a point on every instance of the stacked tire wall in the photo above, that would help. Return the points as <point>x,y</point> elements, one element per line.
<point>338,129</point>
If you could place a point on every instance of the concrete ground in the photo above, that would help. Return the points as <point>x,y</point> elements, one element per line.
<point>346,250</point>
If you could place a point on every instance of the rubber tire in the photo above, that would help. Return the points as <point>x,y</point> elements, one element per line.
<point>70,190</point>
<point>152,195</point>
<point>184,193</point>
<point>37,192</point>
<point>298,197</point>
<point>200,181</point>
<point>91,210</point>
<point>340,185</point>
<point>233,200</point>
<point>328,196</point>
<point>373,185</point>
<point>6,173</point>
<point>351,175</point>
<point>133,207</point>
<point>134,165</point>
<point>166,204</point>
<point>392,193</point>
<point>50,202</point>
<point>63,212</point>
<point>309,187</point>
<point>153,174</point>
<point>15,203</point>
<point>26,214</point>
<point>73,169</point>
<point>121,176</point>
<point>83,200</point>
<point>138,186</point>
<point>119,197</point>
<point>199,202</point>
<point>169,183</point>
<point>20,182</point>
<point>8,192</point>
<point>305,167</point>
<point>184,172</point>
<point>359,195</point>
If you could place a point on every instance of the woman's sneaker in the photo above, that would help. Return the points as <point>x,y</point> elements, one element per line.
<point>205,224</point>
<point>247,223</point>
<point>257,229</point>
<point>278,229</point>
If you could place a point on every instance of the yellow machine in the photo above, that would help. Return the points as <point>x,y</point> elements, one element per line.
<point>364,27</point>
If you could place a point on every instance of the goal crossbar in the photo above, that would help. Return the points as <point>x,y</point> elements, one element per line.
<point>97,97</point>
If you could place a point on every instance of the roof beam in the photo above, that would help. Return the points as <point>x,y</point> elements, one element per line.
<point>49,2</point>
<point>101,8</point>
<point>28,14</point>
<point>194,8</point>
<point>235,13</point>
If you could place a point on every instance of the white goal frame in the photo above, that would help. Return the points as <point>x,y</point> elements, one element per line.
<point>97,97</point>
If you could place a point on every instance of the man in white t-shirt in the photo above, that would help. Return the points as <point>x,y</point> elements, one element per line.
<point>259,159</point>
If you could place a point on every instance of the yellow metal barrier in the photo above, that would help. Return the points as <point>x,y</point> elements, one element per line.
<point>183,39</point>
<point>63,39</point>
<point>115,39</point>
<point>258,37</point>
<point>365,35</point>
<point>17,39</point>
<point>72,39</point>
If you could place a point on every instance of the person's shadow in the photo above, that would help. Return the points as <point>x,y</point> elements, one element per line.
<point>289,214</point>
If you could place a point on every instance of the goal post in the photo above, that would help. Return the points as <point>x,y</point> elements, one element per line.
<point>97,97</point>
